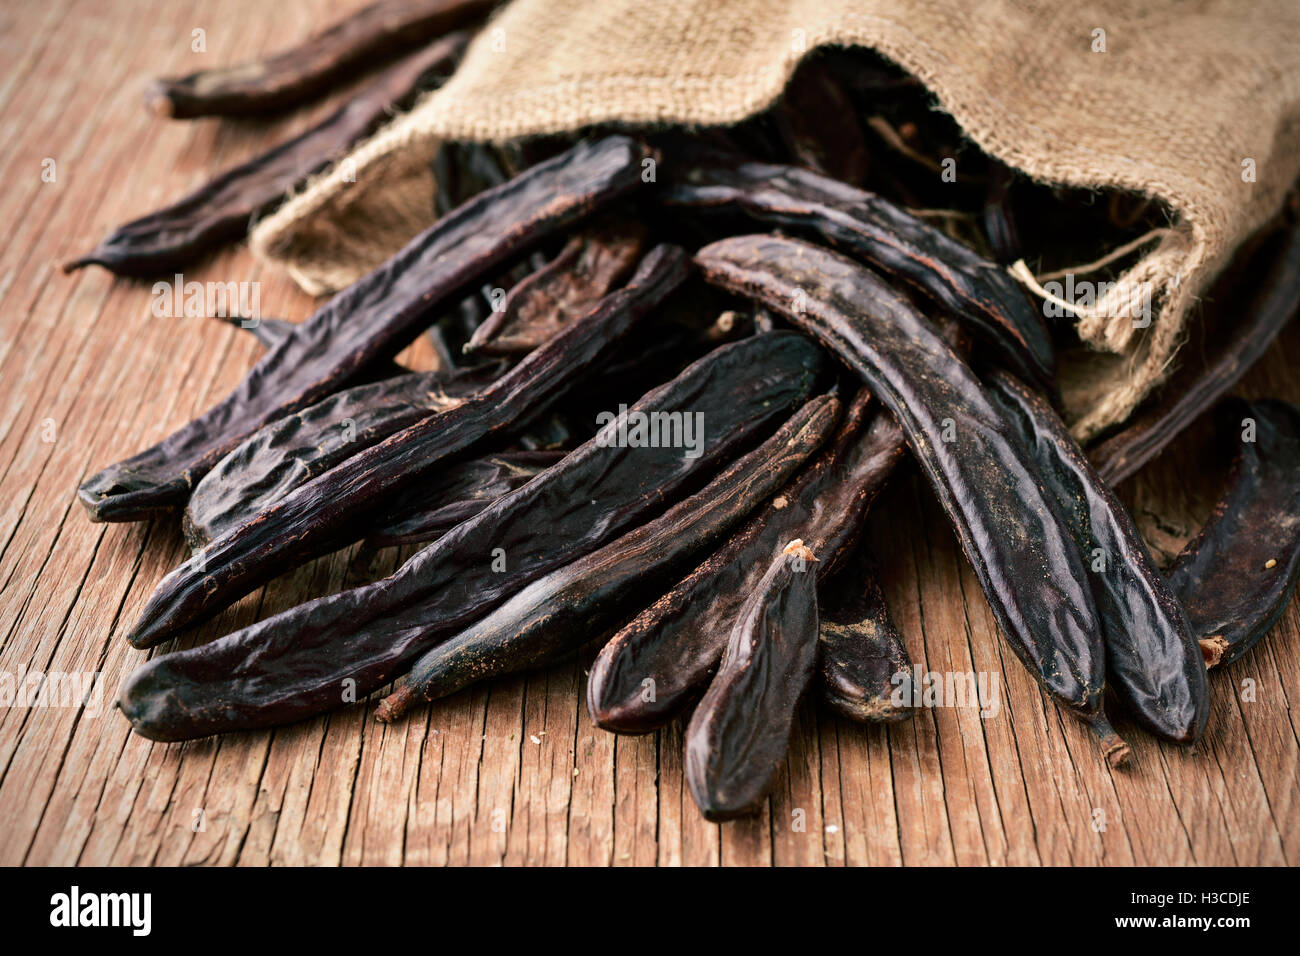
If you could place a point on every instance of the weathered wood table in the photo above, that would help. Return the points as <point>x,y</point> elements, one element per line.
<point>512,772</point>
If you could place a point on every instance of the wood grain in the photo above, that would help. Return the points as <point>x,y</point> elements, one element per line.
<point>512,772</point>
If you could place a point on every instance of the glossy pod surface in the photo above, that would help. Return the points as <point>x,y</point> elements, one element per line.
<point>1236,577</point>
<point>1008,525</point>
<point>870,228</point>
<point>295,664</point>
<point>579,602</point>
<point>304,72</point>
<point>222,210</point>
<point>371,320</point>
<point>677,642</point>
<point>1152,659</point>
<point>307,522</point>
<point>738,736</point>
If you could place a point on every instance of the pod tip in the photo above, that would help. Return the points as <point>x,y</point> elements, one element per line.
<point>396,704</point>
<point>1212,649</point>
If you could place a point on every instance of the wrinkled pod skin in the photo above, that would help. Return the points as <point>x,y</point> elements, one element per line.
<point>312,68</point>
<point>739,734</point>
<point>675,644</point>
<point>1152,660</point>
<point>581,601</point>
<point>372,319</point>
<point>1009,527</point>
<point>298,663</point>
<point>974,290</point>
<point>1236,577</point>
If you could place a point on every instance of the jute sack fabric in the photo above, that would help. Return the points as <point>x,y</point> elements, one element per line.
<point>1196,104</point>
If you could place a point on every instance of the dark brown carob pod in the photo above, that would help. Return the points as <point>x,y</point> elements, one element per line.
<point>1152,659</point>
<point>1009,527</point>
<point>1196,386</point>
<point>305,72</point>
<point>1236,577</point>
<point>299,662</point>
<point>221,211</point>
<point>271,332</point>
<point>580,601</point>
<point>307,522</point>
<point>657,664</point>
<point>562,290</point>
<point>979,293</point>
<point>738,737</point>
<point>291,451</point>
<point>861,653</point>
<point>372,319</point>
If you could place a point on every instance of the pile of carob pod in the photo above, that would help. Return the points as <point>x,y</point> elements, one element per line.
<point>769,338</point>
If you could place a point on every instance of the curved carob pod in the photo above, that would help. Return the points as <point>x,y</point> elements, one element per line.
<point>1152,659</point>
<point>298,663</point>
<point>291,451</point>
<point>656,665</point>
<point>221,210</point>
<point>579,602</point>
<point>1194,388</point>
<point>978,292</point>
<point>1009,527</point>
<point>542,303</point>
<point>739,734</point>
<point>372,319</point>
<point>309,520</point>
<point>1236,577</point>
<point>861,652</point>
<point>306,71</point>
<point>271,332</point>
<point>424,513</point>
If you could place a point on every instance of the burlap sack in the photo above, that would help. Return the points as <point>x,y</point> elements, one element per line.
<point>1187,99</point>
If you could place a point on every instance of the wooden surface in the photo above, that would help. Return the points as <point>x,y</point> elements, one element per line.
<point>512,772</point>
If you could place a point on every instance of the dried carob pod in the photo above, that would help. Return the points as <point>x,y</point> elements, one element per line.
<point>291,451</point>
<point>1236,577</point>
<point>820,127</point>
<point>978,292</point>
<point>739,734</point>
<point>1195,387</point>
<point>658,663</point>
<point>537,307</point>
<point>302,73</point>
<point>308,521</point>
<point>1152,660</point>
<point>579,602</point>
<point>1009,527</point>
<point>220,211</point>
<point>299,662</point>
<point>372,319</point>
<point>861,654</point>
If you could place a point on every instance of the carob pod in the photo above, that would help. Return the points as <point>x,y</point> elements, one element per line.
<point>739,734</point>
<point>271,332</point>
<point>974,290</point>
<point>298,663</point>
<point>309,520</point>
<point>220,211</point>
<point>306,71</point>
<point>371,320</point>
<point>1152,659</point>
<point>291,451</point>
<point>562,611</point>
<point>861,653</point>
<point>424,513</point>
<point>542,303</point>
<point>1196,387</point>
<point>657,664</point>
<point>1236,577</point>
<point>1009,527</point>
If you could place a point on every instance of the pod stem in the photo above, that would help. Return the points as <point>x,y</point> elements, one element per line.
<point>1213,649</point>
<point>1113,747</point>
<point>395,705</point>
